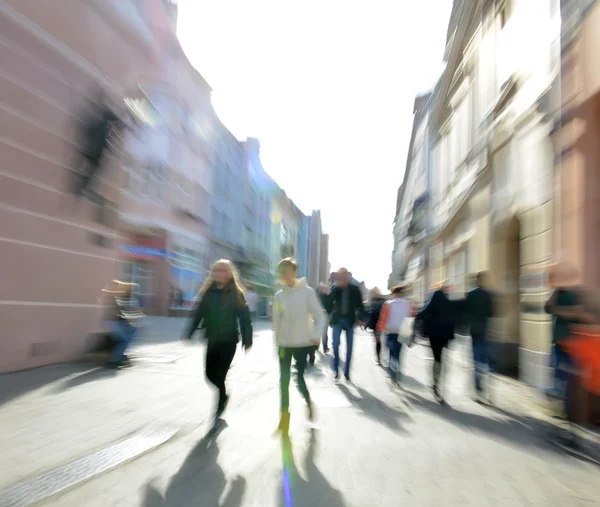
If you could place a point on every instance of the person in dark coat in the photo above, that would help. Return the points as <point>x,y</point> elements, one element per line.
<point>376,304</point>
<point>438,325</point>
<point>480,308</point>
<point>222,307</point>
<point>346,309</point>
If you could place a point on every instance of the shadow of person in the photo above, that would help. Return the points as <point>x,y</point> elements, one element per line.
<point>199,481</point>
<point>94,375</point>
<point>374,408</point>
<point>296,491</point>
<point>511,428</point>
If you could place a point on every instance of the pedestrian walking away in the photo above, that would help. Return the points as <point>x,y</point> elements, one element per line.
<point>480,308</point>
<point>323,297</point>
<point>223,314</point>
<point>346,308</point>
<point>377,301</point>
<point>393,315</point>
<point>298,322</point>
<point>438,325</point>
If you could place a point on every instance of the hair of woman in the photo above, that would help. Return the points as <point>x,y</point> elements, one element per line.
<point>233,289</point>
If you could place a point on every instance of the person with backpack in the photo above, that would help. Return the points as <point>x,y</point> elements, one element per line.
<point>223,314</point>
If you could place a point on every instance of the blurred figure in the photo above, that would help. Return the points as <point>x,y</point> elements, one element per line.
<point>480,308</point>
<point>222,306</point>
<point>438,325</point>
<point>566,309</point>
<point>393,314</point>
<point>93,140</point>
<point>346,307</point>
<point>294,307</point>
<point>377,301</point>
<point>251,297</point>
<point>323,297</point>
<point>123,313</point>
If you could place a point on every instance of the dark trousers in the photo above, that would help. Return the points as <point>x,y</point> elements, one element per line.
<point>481,359</point>
<point>437,347</point>
<point>218,360</point>
<point>343,325</point>
<point>377,344</point>
<point>285,365</point>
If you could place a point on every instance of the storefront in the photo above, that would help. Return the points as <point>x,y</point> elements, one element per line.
<point>141,262</point>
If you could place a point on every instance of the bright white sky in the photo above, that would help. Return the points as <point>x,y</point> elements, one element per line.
<point>328,87</point>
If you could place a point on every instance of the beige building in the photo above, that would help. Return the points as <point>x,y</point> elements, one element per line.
<point>56,255</point>
<point>492,168</point>
<point>411,223</point>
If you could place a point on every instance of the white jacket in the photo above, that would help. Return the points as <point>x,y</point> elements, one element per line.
<point>298,317</point>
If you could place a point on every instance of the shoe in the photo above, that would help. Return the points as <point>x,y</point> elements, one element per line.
<point>311,411</point>
<point>336,377</point>
<point>284,424</point>
<point>113,366</point>
<point>326,350</point>
<point>347,375</point>
<point>394,366</point>
<point>311,361</point>
<point>376,361</point>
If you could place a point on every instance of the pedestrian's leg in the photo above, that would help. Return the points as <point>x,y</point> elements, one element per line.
<point>479,361</point>
<point>349,346</point>
<point>212,364</point>
<point>300,358</point>
<point>436,348</point>
<point>122,334</point>
<point>285,364</point>
<point>227,355</point>
<point>377,347</point>
<point>398,356</point>
<point>337,335</point>
<point>325,341</point>
<point>311,352</point>
<point>392,342</point>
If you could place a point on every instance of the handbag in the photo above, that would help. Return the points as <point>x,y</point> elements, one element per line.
<point>406,331</point>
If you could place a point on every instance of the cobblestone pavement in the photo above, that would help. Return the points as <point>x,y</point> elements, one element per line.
<point>373,443</point>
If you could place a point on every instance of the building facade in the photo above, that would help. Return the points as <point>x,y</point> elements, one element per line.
<point>412,222</point>
<point>577,130</point>
<point>490,170</point>
<point>57,255</point>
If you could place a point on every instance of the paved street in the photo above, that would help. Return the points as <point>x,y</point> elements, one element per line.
<point>373,444</point>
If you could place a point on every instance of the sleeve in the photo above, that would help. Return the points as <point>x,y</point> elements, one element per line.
<point>383,318</point>
<point>245,325</point>
<point>318,315</point>
<point>330,299</point>
<point>199,315</point>
<point>362,314</point>
<point>276,316</point>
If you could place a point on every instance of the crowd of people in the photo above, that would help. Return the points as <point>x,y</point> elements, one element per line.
<point>301,318</point>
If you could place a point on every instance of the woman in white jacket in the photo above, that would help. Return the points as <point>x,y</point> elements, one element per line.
<point>298,323</point>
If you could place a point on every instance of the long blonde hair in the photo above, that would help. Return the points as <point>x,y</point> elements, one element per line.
<point>233,288</point>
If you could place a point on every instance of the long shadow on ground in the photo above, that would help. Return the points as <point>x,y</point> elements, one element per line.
<point>200,481</point>
<point>297,491</point>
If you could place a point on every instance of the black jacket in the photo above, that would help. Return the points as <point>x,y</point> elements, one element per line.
<point>375,311</point>
<point>479,308</point>
<point>438,317</point>
<point>219,316</point>
<point>355,302</point>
